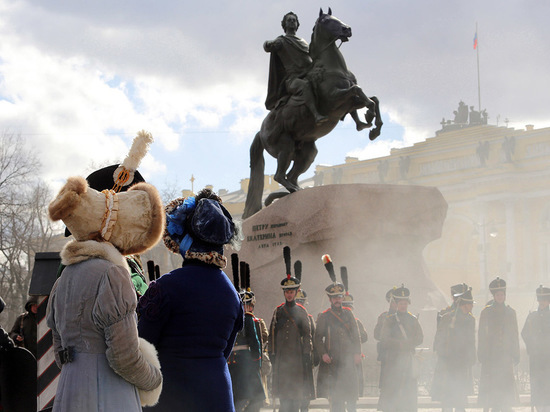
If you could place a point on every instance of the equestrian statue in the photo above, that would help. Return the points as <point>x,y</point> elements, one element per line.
<point>310,89</point>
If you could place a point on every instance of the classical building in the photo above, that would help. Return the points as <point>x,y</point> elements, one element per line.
<point>496,181</point>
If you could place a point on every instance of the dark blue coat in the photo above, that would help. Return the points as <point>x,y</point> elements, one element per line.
<point>192,316</point>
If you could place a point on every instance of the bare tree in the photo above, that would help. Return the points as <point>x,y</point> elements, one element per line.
<point>24,225</point>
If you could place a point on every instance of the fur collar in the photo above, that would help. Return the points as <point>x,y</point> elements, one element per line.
<point>75,252</point>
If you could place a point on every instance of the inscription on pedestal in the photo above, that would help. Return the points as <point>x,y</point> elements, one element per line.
<point>266,235</point>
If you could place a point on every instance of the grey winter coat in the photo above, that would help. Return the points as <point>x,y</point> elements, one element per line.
<point>92,310</point>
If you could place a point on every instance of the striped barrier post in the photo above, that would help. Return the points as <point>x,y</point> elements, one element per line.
<point>44,275</point>
<point>48,372</point>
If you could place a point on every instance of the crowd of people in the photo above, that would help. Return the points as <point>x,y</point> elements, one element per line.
<point>190,341</point>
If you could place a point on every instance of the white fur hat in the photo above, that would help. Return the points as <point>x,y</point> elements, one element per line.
<point>132,221</point>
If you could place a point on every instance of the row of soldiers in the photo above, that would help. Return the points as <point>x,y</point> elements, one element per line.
<point>497,350</point>
<point>295,344</point>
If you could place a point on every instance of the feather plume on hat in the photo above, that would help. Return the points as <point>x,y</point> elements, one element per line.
<point>124,174</point>
<point>242,266</point>
<point>235,270</point>
<point>329,267</point>
<point>344,276</point>
<point>286,256</point>
<point>298,270</point>
<point>289,282</point>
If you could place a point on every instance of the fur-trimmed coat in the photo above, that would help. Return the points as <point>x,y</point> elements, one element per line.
<point>92,311</point>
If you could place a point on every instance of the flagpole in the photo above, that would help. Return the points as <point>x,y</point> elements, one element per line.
<point>478,82</point>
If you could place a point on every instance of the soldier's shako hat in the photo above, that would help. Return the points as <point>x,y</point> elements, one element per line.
<point>289,282</point>
<point>466,297</point>
<point>248,297</point>
<point>348,299</point>
<point>543,293</point>
<point>120,177</point>
<point>459,289</point>
<point>335,289</point>
<point>401,293</point>
<point>496,285</point>
<point>301,295</point>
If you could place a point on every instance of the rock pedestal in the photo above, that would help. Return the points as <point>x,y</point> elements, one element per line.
<point>377,231</point>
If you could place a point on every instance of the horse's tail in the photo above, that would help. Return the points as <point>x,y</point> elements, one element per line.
<point>256,185</point>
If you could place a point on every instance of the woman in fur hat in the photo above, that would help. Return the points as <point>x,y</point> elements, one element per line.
<point>91,310</point>
<point>193,314</point>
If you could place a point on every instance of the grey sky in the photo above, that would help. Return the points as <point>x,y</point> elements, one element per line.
<point>78,79</point>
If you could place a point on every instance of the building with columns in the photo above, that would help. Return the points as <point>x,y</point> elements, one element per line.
<point>496,181</point>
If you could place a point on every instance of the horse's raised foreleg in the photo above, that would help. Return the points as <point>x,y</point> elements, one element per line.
<point>284,156</point>
<point>359,125</point>
<point>304,157</point>
<point>374,133</point>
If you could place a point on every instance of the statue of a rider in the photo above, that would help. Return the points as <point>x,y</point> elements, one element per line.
<point>289,64</point>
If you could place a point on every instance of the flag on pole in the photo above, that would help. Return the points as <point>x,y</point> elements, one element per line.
<point>475,41</point>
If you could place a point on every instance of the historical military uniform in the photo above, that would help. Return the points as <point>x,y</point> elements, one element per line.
<point>456,352</point>
<point>377,333</point>
<point>245,360</point>
<point>536,335</point>
<point>339,348</point>
<point>498,352</point>
<point>301,298</point>
<point>400,334</point>
<point>290,349</point>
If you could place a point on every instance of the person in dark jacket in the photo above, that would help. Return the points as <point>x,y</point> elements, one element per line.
<point>498,351</point>
<point>23,332</point>
<point>399,336</point>
<point>194,339</point>
<point>536,335</point>
<point>290,347</point>
<point>456,354</point>
<point>339,346</point>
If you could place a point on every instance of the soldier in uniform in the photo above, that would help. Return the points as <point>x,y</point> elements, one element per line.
<point>339,347</point>
<point>290,346</point>
<point>249,302</point>
<point>399,336</point>
<point>498,351</point>
<point>301,299</point>
<point>23,331</point>
<point>348,302</point>
<point>536,335</point>
<point>456,290</point>
<point>245,359</point>
<point>456,349</point>
<point>377,331</point>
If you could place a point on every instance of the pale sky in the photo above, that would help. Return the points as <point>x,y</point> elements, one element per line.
<point>79,79</point>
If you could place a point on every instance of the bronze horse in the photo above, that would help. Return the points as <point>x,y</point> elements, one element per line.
<point>289,131</point>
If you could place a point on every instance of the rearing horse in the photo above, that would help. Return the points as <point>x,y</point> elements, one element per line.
<point>289,131</point>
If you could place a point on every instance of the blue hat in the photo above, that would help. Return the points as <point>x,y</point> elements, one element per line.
<point>203,226</point>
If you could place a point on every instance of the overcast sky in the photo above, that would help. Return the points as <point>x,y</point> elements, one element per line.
<point>79,79</point>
